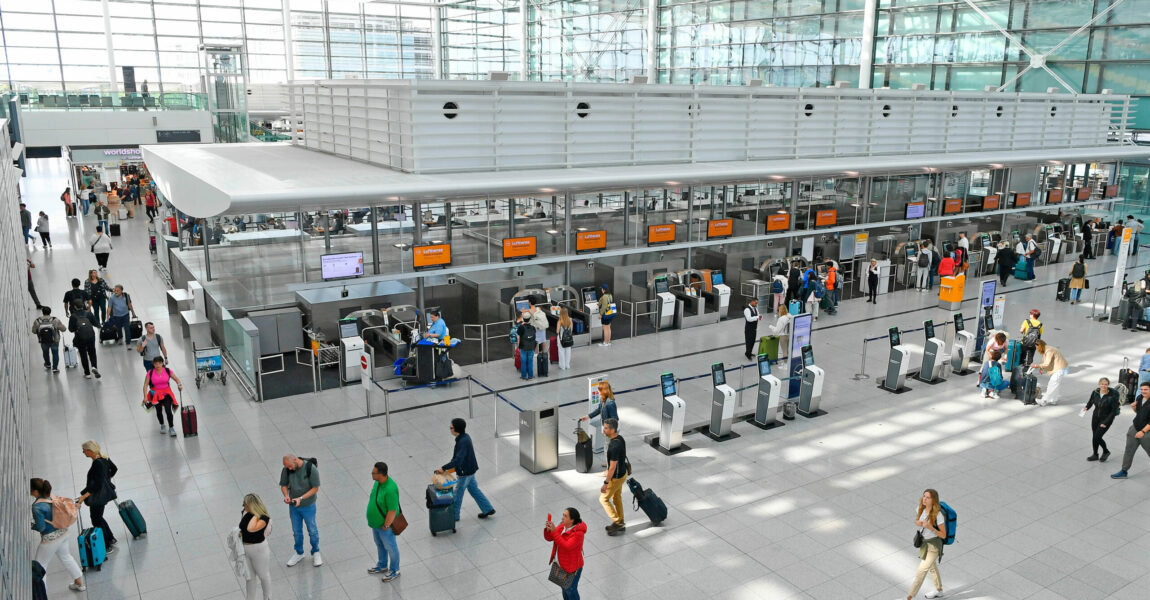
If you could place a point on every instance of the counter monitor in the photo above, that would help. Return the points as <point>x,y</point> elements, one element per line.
<point>894,337</point>
<point>959,323</point>
<point>716,278</point>
<point>808,356</point>
<point>668,383</point>
<point>521,305</point>
<point>661,285</point>
<point>718,375</point>
<point>916,210</point>
<point>764,366</point>
<point>348,328</point>
<point>928,326</point>
<point>589,296</point>
<point>341,266</point>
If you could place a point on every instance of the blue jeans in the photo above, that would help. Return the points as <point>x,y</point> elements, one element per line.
<point>103,223</point>
<point>300,515</point>
<point>122,322</point>
<point>27,235</point>
<point>54,348</point>
<point>386,548</point>
<point>1075,294</point>
<point>467,483</point>
<point>930,280</point>
<point>834,297</point>
<point>84,205</point>
<point>572,593</point>
<point>527,364</point>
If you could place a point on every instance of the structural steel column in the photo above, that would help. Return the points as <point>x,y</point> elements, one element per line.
<point>417,239</point>
<point>653,40</point>
<point>866,60</point>
<point>112,79</point>
<point>523,4</point>
<point>436,40</point>
<point>374,216</point>
<point>568,231</point>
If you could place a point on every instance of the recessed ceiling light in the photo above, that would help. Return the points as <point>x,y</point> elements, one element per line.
<point>676,220</point>
<point>781,211</point>
<point>553,231</point>
<point>581,228</point>
<point>400,245</point>
<point>436,241</point>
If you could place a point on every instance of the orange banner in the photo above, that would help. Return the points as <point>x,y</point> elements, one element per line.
<point>434,255</point>
<point>952,205</point>
<point>1021,200</point>
<point>1054,196</point>
<point>778,222</point>
<point>586,241</point>
<point>990,203</point>
<point>521,247</point>
<point>720,228</point>
<point>824,218</point>
<point>1084,193</point>
<point>661,234</point>
<point>1111,191</point>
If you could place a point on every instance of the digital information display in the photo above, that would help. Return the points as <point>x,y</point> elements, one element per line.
<point>1021,200</point>
<point>433,256</point>
<point>778,222</point>
<point>826,218</point>
<point>1084,193</point>
<point>720,228</point>
<point>590,241</point>
<point>718,376</point>
<point>895,339</point>
<point>341,266</point>
<point>660,234</point>
<point>1111,191</point>
<point>928,327</point>
<point>519,248</point>
<point>800,336</point>
<point>668,382</point>
<point>348,328</point>
<point>764,366</point>
<point>951,206</point>
<point>959,323</point>
<point>916,210</point>
<point>990,203</point>
<point>1054,196</point>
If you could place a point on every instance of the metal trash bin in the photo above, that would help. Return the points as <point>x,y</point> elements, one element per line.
<point>539,439</point>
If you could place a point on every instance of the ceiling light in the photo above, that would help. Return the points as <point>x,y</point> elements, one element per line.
<point>553,231</point>
<point>781,211</point>
<point>676,220</point>
<point>401,246</point>
<point>855,204</point>
<point>436,241</point>
<point>581,228</point>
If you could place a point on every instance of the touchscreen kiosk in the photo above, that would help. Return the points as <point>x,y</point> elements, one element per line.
<point>521,305</point>
<point>896,365</point>
<point>811,390</point>
<point>721,291</point>
<point>767,399</point>
<point>350,350</point>
<point>348,328</point>
<point>672,413</point>
<point>668,303</point>
<point>722,405</point>
<point>932,351</point>
<point>964,347</point>
<point>668,381</point>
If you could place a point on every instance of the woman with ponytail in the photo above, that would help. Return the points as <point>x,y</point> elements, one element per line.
<point>99,490</point>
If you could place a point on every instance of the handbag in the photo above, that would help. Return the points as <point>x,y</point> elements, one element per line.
<point>918,539</point>
<point>399,523</point>
<point>558,575</point>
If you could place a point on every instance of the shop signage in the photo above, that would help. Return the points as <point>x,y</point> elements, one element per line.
<point>519,248</point>
<point>100,156</point>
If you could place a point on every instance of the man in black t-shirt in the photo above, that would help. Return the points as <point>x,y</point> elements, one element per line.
<point>611,493</point>
<point>73,295</point>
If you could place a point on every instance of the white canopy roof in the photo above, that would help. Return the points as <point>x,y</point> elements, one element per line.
<point>205,180</point>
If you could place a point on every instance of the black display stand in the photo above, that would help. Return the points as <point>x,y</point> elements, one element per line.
<point>654,443</point>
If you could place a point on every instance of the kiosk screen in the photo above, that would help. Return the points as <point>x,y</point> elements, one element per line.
<point>718,376</point>
<point>661,285</point>
<point>348,328</point>
<point>716,278</point>
<point>988,318</point>
<point>928,325</point>
<point>959,325</point>
<point>808,356</point>
<point>894,337</point>
<point>522,304</point>
<point>668,381</point>
<point>764,366</point>
<point>589,296</point>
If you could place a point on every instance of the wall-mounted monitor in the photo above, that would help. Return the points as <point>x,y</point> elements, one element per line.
<point>667,381</point>
<point>1021,200</point>
<point>1053,196</point>
<point>778,222</point>
<point>990,202</point>
<point>718,375</point>
<point>951,206</point>
<point>826,218</point>
<point>1110,192</point>
<point>660,234</point>
<point>720,228</point>
<point>916,210</point>
<point>590,241</point>
<point>341,266</point>
<point>432,256</point>
<point>519,248</point>
<point>1083,193</point>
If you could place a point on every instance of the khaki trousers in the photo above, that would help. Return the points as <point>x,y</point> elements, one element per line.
<point>930,563</point>
<point>614,496</point>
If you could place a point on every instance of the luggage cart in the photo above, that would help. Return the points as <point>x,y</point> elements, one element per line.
<point>209,361</point>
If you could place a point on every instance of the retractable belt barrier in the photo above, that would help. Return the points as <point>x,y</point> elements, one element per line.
<point>861,375</point>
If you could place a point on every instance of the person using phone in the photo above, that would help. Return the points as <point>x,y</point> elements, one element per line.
<point>299,482</point>
<point>567,544</point>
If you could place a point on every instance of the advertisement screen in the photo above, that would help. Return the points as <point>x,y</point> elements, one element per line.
<point>1084,193</point>
<point>1054,196</point>
<point>1021,200</point>
<point>1111,191</point>
<point>431,256</point>
<point>339,266</point>
<point>990,203</point>
<point>778,222</point>
<point>951,206</point>
<point>720,228</point>
<point>590,241</point>
<point>916,210</point>
<point>826,218</point>
<point>519,248</point>
<point>661,234</point>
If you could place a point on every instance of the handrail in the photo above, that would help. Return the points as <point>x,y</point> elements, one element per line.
<point>480,339</point>
<point>388,392</point>
<point>861,375</point>
<point>484,350</point>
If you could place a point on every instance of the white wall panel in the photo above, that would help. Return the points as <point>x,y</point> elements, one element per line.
<point>47,128</point>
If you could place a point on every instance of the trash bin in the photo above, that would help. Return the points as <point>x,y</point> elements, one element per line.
<point>539,439</point>
<point>950,292</point>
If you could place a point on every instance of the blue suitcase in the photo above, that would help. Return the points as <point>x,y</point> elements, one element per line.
<point>1013,353</point>
<point>795,307</point>
<point>647,501</point>
<point>132,518</point>
<point>93,551</point>
<point>440,510</point>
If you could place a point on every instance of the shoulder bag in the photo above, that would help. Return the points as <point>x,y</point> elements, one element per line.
<point>918,539</point>
<point>399,523</point>
<point>558,575</point>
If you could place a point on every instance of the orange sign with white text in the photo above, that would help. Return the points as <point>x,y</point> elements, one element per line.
<point>590,241</point>
<point>1054,196</point>
<point>431,256</point>
<point>778,222</point>
<point>952,205</point>
<point>990,203</point>
<point>720,228</point>
<point>661,234</point>
<point>1111,191</point>
<point>1084,193</point>
<point>519,248</point>
<point>825,218</point>
<point>1021,200</point>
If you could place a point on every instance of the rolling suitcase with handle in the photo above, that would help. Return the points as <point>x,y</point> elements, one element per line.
<point>189,422</point>
<point>518,360</point>
<point>114,229</point>
<point>1129,378</point>
<point>542,362</point>
<point>553,349</point>
<point>440,509</point>
<point>132,518</point>
<point>795,307</point>
<point>647,501</point>
<point>1063,293</point>
<point>769,345</point>
<point>584,453</point>
<point>93,551</point>
<point>136,329</point>
<point>71,357</point>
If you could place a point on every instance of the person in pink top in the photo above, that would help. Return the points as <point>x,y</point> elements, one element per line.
<point>158,393</point>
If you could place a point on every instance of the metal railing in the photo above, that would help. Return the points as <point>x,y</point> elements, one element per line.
<point>310,363</point>
<point>1105,307</point>
<point>387,393</point>
<point>862,374</point>
<point>57,100</point>
<point>263,372</point>
<point>654,313</point>
<point>484,349</point>
<point>468,330</point>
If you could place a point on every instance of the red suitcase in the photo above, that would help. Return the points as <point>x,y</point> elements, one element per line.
<point>553,349</point>
<point>188,421</point>
<point>518,360</point>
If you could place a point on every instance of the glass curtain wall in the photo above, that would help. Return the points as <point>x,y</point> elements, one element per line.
<point>480,36</point>
<point>599,40</point>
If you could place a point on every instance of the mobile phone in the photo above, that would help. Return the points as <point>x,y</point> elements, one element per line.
<point>548,517</point>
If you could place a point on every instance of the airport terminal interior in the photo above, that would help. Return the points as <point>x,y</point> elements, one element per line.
<point>794,252</point>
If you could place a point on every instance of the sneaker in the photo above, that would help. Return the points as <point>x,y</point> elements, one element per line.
<point>1105,455</point>
<point>294,560</point>
<point>172,432</point>
<point>316,559</point>
<point>110,550</point>
<point>1092,458</point>
<point>55,371</point>
<point>934,594</point>
<point>487,514</point>
<point>994,395</point>
<point>390,576</point>
<point>48,367</point>
<point>163,428</point>
<point>602,344</point>
<point>618,530</point>
<point>1119,475</point>
<point>87,375</point>
<point>377,571</point>
<point>96,373</point>
<point>77,588</point>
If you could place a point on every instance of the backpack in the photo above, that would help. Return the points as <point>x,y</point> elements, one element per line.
<point>923,260</point>
<point>45,331</point>
<point>566,338</point>
<point>776,287</point>
<point>1032,335</point>
<point>529,332</point>
<point>951,521</point>
<point>514,334</point>
<point>85,331</point>
<point>64,512</point>
<point>1078,271</point>
<point>148,377</point>
<point>820,290</point>
<point>995,377</point>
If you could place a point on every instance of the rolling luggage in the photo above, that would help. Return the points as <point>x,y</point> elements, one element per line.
<point>518,360</point>
<point>584,453</point>
<point>152,244</point>
<point>1020,271</point>
<point>790,409</point>
<point>1017,375</point>
<point>132,518</point>
<point>577,324</point>
<point>1063,290</point>
<point>93,551</point>
<point>769,345</point>
<point>71,357</point>
<point>114,229</point>
<point>795,307</point>
<point>648,502</point>
<point>136,329</point>
<point>440,512</point>
<point>541,364</point>
<point>110,333</point>
<point>1129,378</point>
<point>553,349</point>
<point>1029,389</point>
<point>1013,354</point>
<point>123,212</point>
<point>189,422</point>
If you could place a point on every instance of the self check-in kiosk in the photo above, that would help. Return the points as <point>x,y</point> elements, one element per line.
<point>963,347</point>
<point>718,293</point>
<point>767,404</point>
<point>350,348</point>
<point>672,415</point>
<point>591,307</point>
<point>665,315</point>
<point>931,369</point>
<point>896,364</point>
<point>722,406</point>
<point>811,392</point>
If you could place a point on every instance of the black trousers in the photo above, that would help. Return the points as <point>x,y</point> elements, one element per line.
<point>1088,248</point>
<point>1027,356</point>
<point>1097,441</point>
<point>750,332</point>
<point>98,521</point>
<point>87,353</point>
<point>32,292</point>
<point>102,259</point>
<point>872,289</point>
<point>165,404</point>
<point>1003,274</point>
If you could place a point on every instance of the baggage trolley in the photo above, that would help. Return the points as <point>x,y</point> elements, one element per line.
<point>209,361</point>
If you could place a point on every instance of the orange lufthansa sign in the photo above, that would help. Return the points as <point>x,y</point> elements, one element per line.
<point>1054,196</point>
<point>1111,191</point>
<point>778,222</point>
<point>590,241</point>
<point>952,206</point>
<point>1084,193</point>
<point>434,255</point>
<point>520,247</point>
<point>720,228</point>
<point>1021,200</point>
<point>661,234</point>
<point>824,218</point>
<point>990,203</point>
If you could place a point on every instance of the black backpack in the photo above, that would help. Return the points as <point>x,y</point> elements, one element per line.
<point>1032,335</point>
<point>45,331</point>
<point>923,260</point>
<point>566,338</point>
<point>1078,271</point>
<point>85,331</point>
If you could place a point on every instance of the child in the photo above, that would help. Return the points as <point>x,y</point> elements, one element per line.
<point>990,379</point>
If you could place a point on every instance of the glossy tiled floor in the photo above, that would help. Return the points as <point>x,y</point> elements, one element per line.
<point>817,509</point>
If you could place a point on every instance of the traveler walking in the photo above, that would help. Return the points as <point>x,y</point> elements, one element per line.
<point>74,295</point>
<point>82,324</point>
<point>97,291</point>
<point>151,346</point>
<point>618,468</point>
<point>42,229</point>
<point>1077,279</point>
<point>1104,401</point>
<point>1054,363</point>
<point>872,282</point>
<point>1088,239</point>
<point>1031,331</point>
<point>932,524</point>
<point>1027,249</point>
<point>382,511</point>
<point>299,482</point>
<point>66,198</point>
<point>751,318</point>
<point>525,333</point>
<point>48,512</point>
<point>1005,259</point>
<point>782,329</point>
<point>158,393</point>
<point>779,285</point>
<point>464,465</point>
<point>86,196</point>
<point>26,224</point>
<point>254,524</point>
<point>102,211</point>
<point>1137,435</point>
<point>567,543</point>
<point>31,285</point>
<point>565,336</point>
<point>101,246</point>
<point>47,330</point>
<point>99,490</point>
<point>150,204</point>
<point>119,307</point>
<point>922,264</point>
<point>607,311</point>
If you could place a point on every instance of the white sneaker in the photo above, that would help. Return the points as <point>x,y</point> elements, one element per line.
<point>172,431</point>
<point>163,429</point>
<point>316,560</point>
<point>934,594</point>
<point>294,560</point>
<point>77,588</point>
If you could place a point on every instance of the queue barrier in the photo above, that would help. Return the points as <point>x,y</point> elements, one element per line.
<point>387,393</point>
<point>1094,304</point>
<point>861,375</point>
<point>469,335</point>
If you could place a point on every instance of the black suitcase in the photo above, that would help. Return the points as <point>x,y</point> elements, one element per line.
<point>1129,378</point>
<point>1029,389</point>
<point>542,362</point>
<point>647,501</point>
<point>1063,289</point>
<point>136,329</point>
<point>584,454</point>
<point>114,229</point>
<point>109,333</point>
<point>1016,376</point>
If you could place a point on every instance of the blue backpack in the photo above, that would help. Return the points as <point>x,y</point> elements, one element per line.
<point>820,290</point>
<point>514,335</point>
<point>776,287</point>
<point>995,377</point>
<point>951,519</point>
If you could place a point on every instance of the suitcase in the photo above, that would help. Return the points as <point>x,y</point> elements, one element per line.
<point>110,333</point>
<point>1063,290</point>
<point>122,213</point>
<point>648,502</point>
<point>584,453</point>
<point>769,345</point>
<point>577,324</point>
<point>189,422</point>
<point>541,364</point>
<point>93,551</point>
<point>71,357</point>
<point>114,229</point>
<point>1029,387</point>
<point>136,329</point>
<point>132,518</point>
<point>1013,354</point>
<point>1017,374</point>
<point>152,244</point>
<point>518,360</point>
<point>795,307</point>
<point>790,409</point>
<point>1020,271</point>
<point>553,349</point>
<point>825,304</point>
<point>440,510</point>
<point>1129,378</point>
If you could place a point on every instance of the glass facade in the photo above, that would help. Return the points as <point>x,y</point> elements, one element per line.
<point>604,40</point>
<point>480,36</point>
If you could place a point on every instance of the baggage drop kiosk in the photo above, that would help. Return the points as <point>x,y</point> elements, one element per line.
<point>931,369</point>
<point>896,365</point>
<point>722,406</point>
<point>811,392</point>
<point>351,349</point>
<point>661,288</point>
<point>591,308</point>
<point>963,347</point>
<point>672,414</point>
<point>767,405</point>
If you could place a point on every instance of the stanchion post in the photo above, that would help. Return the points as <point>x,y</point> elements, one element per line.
<point>495,407</point>
<point>367,401</point>
<point>387,412</point>
<point>862,367</point>
<point>742,368</point>
<point>470,403</point>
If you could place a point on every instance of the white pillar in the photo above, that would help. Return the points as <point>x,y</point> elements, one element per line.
<point>652,41</point>
<point>523,39</point>
<point>437,40</point>
<point>866,61</point>
<point>289,57</point>
<point>112,79</point>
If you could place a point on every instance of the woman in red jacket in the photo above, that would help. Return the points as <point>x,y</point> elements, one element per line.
<point>568,544</point>
<point>946,267</point>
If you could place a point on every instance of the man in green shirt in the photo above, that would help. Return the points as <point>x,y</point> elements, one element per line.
<point>299,482</point>
<point>382,509</point>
